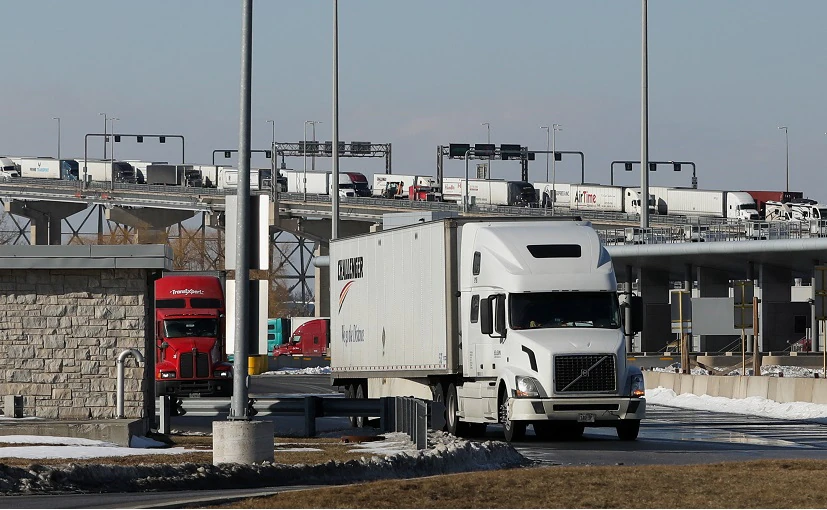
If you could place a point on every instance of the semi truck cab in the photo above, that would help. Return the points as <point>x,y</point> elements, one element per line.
<point>309,339</point>
<point>189,334</point>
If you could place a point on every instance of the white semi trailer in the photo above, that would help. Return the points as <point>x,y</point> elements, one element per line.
<point>512,321</point>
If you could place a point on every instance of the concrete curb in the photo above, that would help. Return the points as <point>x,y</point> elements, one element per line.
<point>778,389</point>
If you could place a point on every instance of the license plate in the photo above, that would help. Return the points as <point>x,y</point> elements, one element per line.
<point>585,418</point>
<point>198,395</point>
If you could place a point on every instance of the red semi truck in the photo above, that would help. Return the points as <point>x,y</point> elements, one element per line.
<point>189,338</point>
<point>762,197</point>
<point>309,339</point>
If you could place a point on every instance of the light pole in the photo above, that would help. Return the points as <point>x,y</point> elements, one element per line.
<point>787,147</point>
<point>313,156</point>
<point>273,142</point>
<point>547,147</point>
<point>334,199</point>
<point>304,155</point>
<point>58,136</point>
<point>105,124</point>
<point>554,129</point>
<point>112,155</point>
<point>644,115</point>
<point>488,130</point>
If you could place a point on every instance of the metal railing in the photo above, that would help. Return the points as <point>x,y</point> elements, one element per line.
<point>396,414</point>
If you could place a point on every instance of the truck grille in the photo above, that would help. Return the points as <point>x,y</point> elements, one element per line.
<point>198,365</point>
<point>585,373</point>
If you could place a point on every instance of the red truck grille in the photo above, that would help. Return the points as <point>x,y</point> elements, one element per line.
<point>197,365</point>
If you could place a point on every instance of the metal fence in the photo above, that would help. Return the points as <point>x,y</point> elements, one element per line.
<point>396,414</point>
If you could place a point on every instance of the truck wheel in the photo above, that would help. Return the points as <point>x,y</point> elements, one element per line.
<point>439,396</point>
<point>361,421</point>
<point>349,394</point>
<point>627,430</point>
<point>514,430</point>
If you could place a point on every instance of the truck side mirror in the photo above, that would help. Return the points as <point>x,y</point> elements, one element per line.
<point>486,318</point>
<point>636,303</point>
<point>499,320</point>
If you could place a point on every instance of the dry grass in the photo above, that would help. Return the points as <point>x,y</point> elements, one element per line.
<point>330,449</point>
<point>760,484</point>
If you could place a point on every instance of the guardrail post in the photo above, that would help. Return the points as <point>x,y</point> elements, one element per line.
<point>398,413</point>
<point>311,407</point>
<point>165,408</point>
<point>421,424</point>
<point>386,417</point>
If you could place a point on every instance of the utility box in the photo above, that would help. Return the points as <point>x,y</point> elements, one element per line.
<point>13,406</point>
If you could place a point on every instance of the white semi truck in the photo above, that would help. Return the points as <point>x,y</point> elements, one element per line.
<point>100,170</point>
<point>512,321</point>
<point>489,191</point>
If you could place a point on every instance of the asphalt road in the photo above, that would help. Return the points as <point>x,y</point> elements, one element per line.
<point>668,436</point>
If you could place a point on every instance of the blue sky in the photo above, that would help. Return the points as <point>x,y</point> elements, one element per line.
<point>723,75</point>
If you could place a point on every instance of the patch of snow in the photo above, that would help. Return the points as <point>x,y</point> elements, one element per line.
<point>756,406</point>
<point>298,449</point>
<point>54,440</point>
<point>768,370</point>
<point>392,458</point>
<point>82,452</point>
<point>299,371</point>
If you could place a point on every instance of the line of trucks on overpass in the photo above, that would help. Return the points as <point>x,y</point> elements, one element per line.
<point>688,202</point>
<point>519,324</point>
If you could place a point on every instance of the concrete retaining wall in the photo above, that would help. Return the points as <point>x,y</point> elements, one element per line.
<point>779,389</point>
<point>61,331</point>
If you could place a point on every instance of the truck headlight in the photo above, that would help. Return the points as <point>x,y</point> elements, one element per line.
<point>223,372</point>
<point>638,388</point>
<point>527,387</point>
<point>168,375</point>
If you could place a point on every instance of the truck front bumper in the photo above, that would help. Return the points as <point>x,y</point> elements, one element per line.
<point>195,388</point>
<point>595,411</point>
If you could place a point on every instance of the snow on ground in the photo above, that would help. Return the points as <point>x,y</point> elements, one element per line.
<point>756,406</point>
<point>394,457</point>
<point>50,447</point>
<point>769,370</point>
<point>299,371</point>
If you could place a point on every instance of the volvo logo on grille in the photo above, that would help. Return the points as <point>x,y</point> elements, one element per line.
<point>584,373</point>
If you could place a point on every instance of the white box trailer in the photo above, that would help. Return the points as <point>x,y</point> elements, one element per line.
<point>140,168</point>
<point>100,170</point>
<point>489,191</point>
<point>596,198</point>
<point>47,168</point>
<point>547,190</point>
<point>320,183</point>
<point>713,203</point>
<point>513,321</point>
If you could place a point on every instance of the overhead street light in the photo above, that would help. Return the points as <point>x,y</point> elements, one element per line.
<point>548,144</point>
<point>787,146</point>
<point>105,138</point>
<point>58,136</point>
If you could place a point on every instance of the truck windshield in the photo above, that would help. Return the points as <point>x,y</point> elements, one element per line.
<point>564,309</point>
<point>178,328</point>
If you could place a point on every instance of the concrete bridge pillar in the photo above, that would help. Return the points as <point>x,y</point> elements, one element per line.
<point>713,283</point>
<point>151,223</point>
<point>776,312</point>
<point>46,218</point>
<point>654,292</point>
<point>321,283</point>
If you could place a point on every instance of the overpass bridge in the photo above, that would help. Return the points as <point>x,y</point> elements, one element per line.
<point>655,261</point>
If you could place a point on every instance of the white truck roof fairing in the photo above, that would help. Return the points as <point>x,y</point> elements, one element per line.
<point>564,256</point>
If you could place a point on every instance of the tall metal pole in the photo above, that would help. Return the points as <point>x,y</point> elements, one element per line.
<point>313,156</point>
<point>554,129</point>
<point>58,136</point>
<point>547,147</point>
<point>335,198</point>
<point>787,148</point>
<point>105,124</point>
<point>238,409</point>
<point>488,138</point>
<point>112,152</point>
<point>304,156</point>
<point>644,122</point>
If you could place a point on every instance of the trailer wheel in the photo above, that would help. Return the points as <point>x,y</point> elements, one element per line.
<point>514,430</point>
<point>627,430</point>
<point>439,396</point>
<point>361,392</point>
<point>349,393</point>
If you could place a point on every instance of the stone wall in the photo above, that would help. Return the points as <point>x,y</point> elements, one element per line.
<point>61,331</point>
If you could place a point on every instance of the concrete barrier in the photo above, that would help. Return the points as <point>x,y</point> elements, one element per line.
<point>778,389</point>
